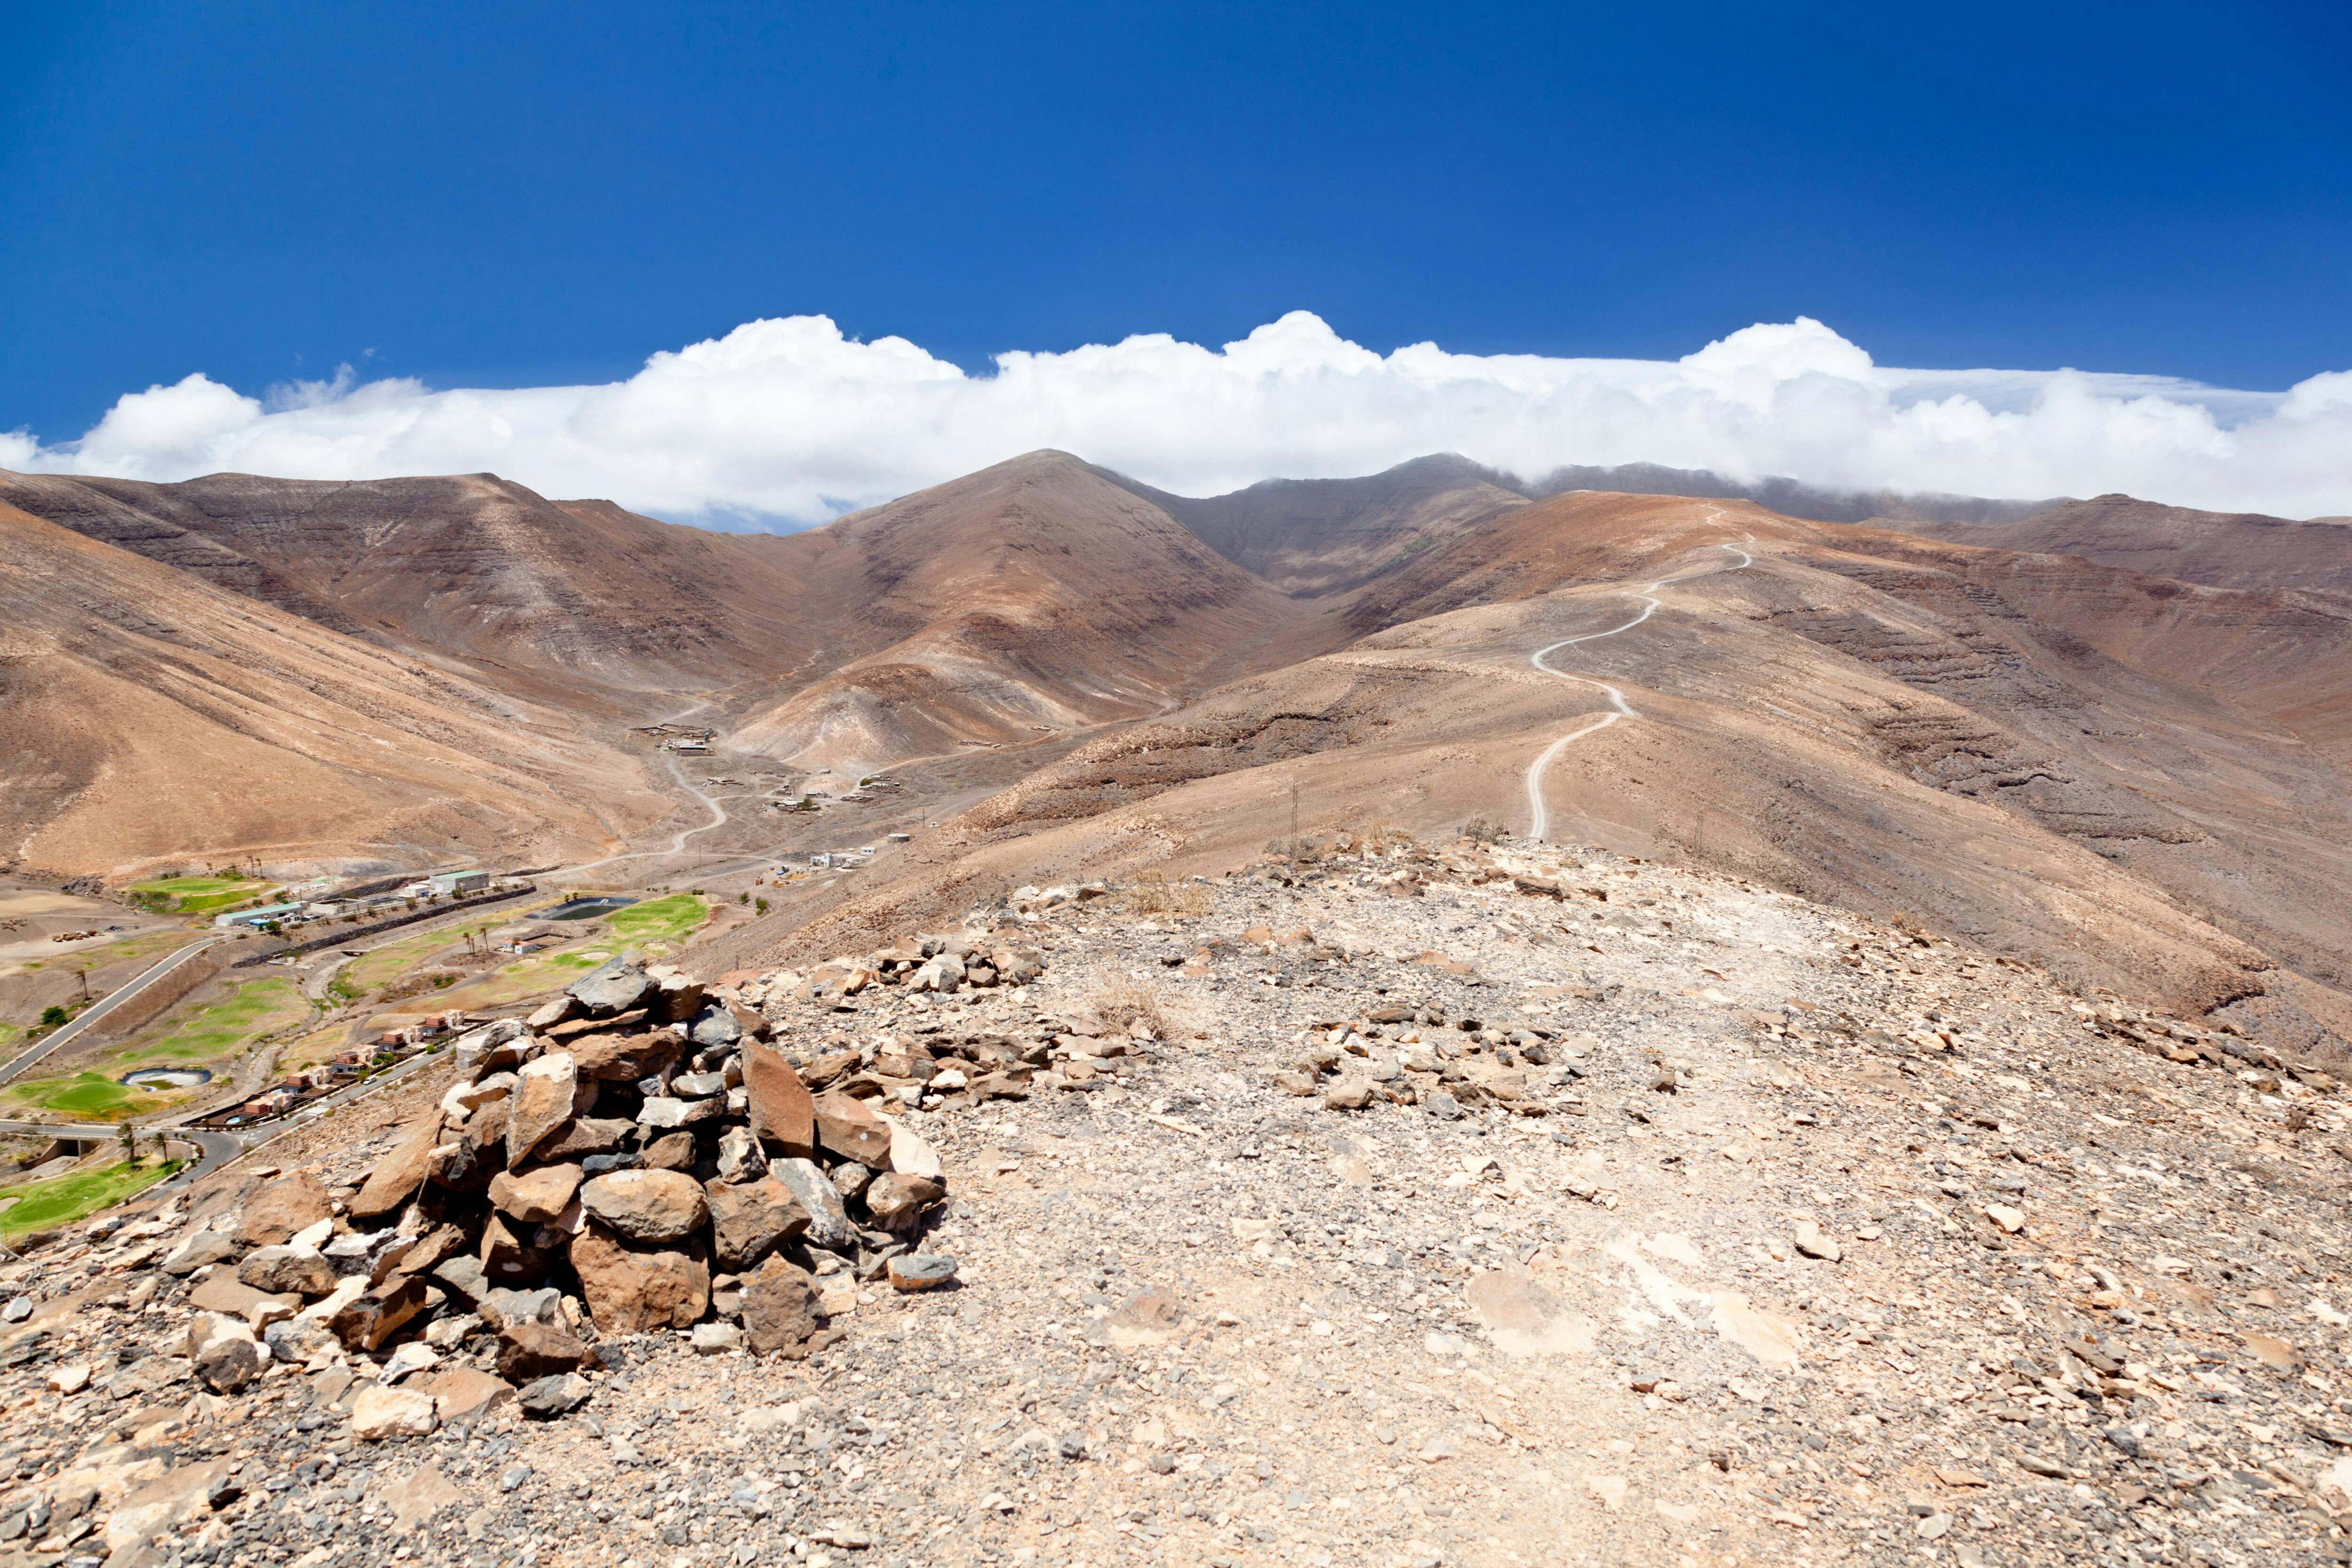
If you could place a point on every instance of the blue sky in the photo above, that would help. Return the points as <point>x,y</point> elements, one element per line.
<point>507,195</point>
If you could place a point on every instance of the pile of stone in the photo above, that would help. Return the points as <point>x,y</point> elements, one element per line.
<point>1403,1056</point>
<point>924,964</point>
<point>638,1155</point>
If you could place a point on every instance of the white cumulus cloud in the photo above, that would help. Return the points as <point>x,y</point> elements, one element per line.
<point>787,421</point>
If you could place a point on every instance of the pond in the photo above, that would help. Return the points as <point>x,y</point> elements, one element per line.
<point>580,909</point>
<point>167,1077</point>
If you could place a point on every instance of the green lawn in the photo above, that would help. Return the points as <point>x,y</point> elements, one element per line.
<point>61,1200</point>
<point>91,1094</point>
<point>255,1007</point>
<point>669,921</point>
<point>195,895</point>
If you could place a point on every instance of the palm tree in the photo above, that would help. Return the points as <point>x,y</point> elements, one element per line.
<point>130,1136</point>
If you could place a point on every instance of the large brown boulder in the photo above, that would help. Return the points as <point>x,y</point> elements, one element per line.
<point>850,1129</point>
<point>896,1201</point>
<point>782,1114</point>
<point>630,1290</point>
<point>402,1172</point>
<point>537,1195</point>
<point>748,1220</point>
<point>585,1135</point>
<point>530,1350</point>
<point>624,1058</point>
<point>781,1311</point>
<point>544,1094</point>
<point>229,1364</point>
<point>462,1394</point>
<point>275,1214</point>
<point>287,1270</point>
<point>646,1205</point>
<point>367,1324</point>
<point>670,1151</point>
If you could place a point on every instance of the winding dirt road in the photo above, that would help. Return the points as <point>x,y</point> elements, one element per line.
<point>678,840</point>
<point>1619,707</point>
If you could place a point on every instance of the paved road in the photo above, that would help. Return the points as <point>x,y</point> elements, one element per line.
<point>218,1149</point>
<point>106,1004</point>
<point>1619,707</point>
<point>215,1149</point>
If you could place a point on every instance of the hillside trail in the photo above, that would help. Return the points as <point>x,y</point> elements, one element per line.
<point>719,814</point>
<point>1619,707</point>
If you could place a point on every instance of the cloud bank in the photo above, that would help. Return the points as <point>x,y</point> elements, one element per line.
<point>785,421</point>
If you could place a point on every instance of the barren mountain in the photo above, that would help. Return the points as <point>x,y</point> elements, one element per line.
<point>1035,595</point>
<point>2227,550</point>
<point>2095,765</point>
<point>1316,537</point>
<point>2126,773</point>
<point>148,717</point>
<point>579,600</point>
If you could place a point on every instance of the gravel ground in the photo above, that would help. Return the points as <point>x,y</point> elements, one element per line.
<point>1476,1206</point>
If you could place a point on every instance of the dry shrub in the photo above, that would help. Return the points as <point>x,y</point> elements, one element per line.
<point>1482,829</point>
<point>1121,999</point>
<point>1155,893</point>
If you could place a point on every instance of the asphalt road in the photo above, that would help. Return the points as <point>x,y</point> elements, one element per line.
<point>217,1149</point>
<point>106,1004</point>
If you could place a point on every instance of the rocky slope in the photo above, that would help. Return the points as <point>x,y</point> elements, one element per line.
<point>579,601</point>
<point>2224,549</point>
<point>1313,538</point>
<point>1036,595</point>
<point>2132,774</point>
<point>2120,774</point>
<point>150,715</point>
<point>1392,1206</point>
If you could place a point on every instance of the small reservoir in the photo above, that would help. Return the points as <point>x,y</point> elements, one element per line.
<point>581,909</point>
<point>166,1077</point>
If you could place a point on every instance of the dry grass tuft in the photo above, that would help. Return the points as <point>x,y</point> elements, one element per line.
<point>1121,1000</point>
<point>1155,893</point>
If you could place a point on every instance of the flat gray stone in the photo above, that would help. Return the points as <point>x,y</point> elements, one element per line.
<point>829,1226</point>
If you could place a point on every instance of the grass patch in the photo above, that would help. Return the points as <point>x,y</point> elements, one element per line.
<point>147,945</point>
<point>255,1007</point>
<point>61,1200</point>
<point>92,1095</point>
<point>668,921</point>
<point>382,965</point>
<point>195,895</point>
<point>540,972</point>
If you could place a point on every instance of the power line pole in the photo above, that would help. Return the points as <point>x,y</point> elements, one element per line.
<point>1293,830</point>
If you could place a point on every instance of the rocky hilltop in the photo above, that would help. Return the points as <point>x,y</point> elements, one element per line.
<point>1382,1204</point>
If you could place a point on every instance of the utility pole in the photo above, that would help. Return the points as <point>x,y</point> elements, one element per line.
<point>1293,830</point>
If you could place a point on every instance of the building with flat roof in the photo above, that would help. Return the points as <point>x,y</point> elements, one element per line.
<point>259,917</point>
